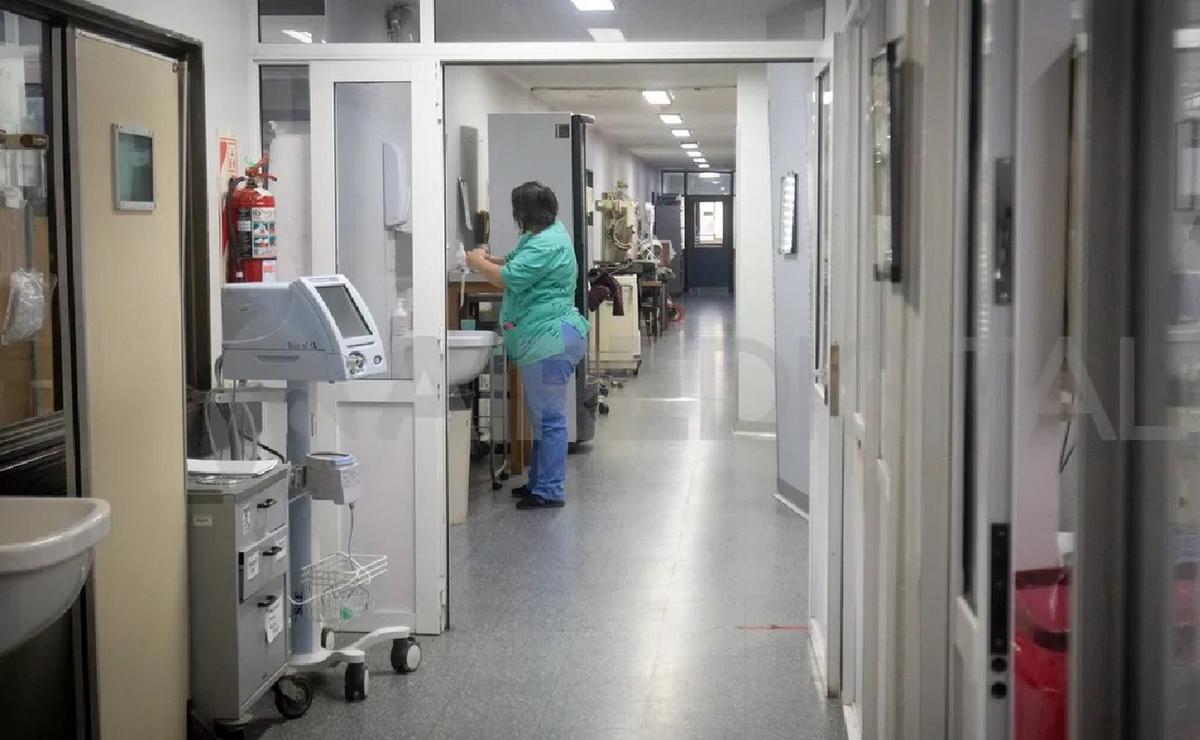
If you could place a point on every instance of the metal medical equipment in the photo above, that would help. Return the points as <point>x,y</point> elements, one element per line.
<point>315,329</point>
<point>238,562</point>
<point>334,476</point>
<point>311,329</point>
<point>620,225</point>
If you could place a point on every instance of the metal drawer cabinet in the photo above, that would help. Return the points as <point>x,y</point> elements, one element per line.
<point>238,587</point>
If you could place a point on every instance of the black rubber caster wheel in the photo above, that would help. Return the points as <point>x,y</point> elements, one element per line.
<point>358,680</point>
<point>328,638</point>
<point>604,409</point>
<point>230,732</point>
<point>406,655</point>
<point>293,696</point>
<point>497,485</point>
<point>505,476</point>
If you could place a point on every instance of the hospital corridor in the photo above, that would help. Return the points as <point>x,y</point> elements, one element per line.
<point>644,609</point>
<point>600,369</point>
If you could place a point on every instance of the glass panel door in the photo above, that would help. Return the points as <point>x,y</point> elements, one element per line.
<point>372,225</point>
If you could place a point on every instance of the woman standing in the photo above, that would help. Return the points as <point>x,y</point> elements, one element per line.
<point>544,333</point>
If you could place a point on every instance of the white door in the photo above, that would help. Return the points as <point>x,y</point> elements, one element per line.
<point>377,219</point>
<point>141,639</point>
<point>1017,507</point>
<point>825,544</point>
<point>981,512</point>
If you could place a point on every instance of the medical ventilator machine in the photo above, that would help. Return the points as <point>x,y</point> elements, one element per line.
<point>313,330</point>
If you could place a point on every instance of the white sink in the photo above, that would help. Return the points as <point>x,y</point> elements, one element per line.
<point>45,554</point>
<point>469,354</point>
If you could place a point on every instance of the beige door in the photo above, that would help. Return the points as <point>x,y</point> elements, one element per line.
<point>130,275</point>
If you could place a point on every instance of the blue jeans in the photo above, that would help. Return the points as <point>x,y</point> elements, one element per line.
<point>545,383</point>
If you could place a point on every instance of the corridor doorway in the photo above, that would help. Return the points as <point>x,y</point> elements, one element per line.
<point>709,233</point>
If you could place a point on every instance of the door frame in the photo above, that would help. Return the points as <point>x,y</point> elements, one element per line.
<point>432,56</point>
<point>63,19</point>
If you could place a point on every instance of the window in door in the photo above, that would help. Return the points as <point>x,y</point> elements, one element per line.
<point>710,224</point>
<point>821,258</point>
<point>30,372</point>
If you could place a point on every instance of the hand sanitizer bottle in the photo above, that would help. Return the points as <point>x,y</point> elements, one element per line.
<point>401,331</point>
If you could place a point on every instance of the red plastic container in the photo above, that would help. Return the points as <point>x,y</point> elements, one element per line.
<point>1040,657</point>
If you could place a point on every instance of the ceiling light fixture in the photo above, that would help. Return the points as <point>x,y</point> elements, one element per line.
<point>689,145</point>
<point>657,97</point>
<point>303,37</point>
<point>703,165</point>
<point>681,133</point>
<point>607,35</point>
<point>701,160</point>
<point>710,175</point>
<point>590,6</point>
<point>694,154</point>
<point>671,119</point>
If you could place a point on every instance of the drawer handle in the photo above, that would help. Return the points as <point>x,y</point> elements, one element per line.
<point>273,551</point>
<point>268,601</point>
<point>267,503</point>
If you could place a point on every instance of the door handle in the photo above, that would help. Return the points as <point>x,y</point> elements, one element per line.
<point>273,551</point>
<point>835,378</point>
<point>266,503</point>
<point>268,601</point>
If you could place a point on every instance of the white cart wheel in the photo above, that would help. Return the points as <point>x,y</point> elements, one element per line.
<point>328,638</point>
<point>406,655</point>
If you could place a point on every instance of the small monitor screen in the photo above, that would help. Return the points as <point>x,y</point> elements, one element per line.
<point>349,319</point>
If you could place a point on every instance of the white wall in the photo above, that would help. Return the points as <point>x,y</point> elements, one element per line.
<point>219,26</point>
<point>791,90</point>
<point>754,264</point>
<point>472,92</point>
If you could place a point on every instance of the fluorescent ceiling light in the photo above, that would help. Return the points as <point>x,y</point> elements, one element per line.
<point>694,153</point>
<point>303,37</point>
<point>607,35</point>
<point>710,175</point>
<point>701,160</point>
<point>671,119</point>
<point>681,133</point>
<point>689,145</point>
<point>703,165</point>
<point>657,97</point>
<point>593,5</point>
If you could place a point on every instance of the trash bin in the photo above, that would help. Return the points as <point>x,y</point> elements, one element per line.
<point>1040,657</point>
<point>458,433</point>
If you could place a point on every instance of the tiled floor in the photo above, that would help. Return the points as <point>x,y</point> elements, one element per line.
<point>638,611</point>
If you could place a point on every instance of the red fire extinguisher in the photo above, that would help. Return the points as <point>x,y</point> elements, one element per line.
<point>250,225</point>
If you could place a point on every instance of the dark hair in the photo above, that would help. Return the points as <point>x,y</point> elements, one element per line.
<point>535,207</point>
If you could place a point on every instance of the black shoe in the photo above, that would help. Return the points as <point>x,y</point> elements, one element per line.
<point>537,502</point>
<point>521,492</point>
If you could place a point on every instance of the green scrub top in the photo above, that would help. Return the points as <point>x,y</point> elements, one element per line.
<point>539,295</point>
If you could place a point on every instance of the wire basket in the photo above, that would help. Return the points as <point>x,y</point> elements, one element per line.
<point>336,589</point>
